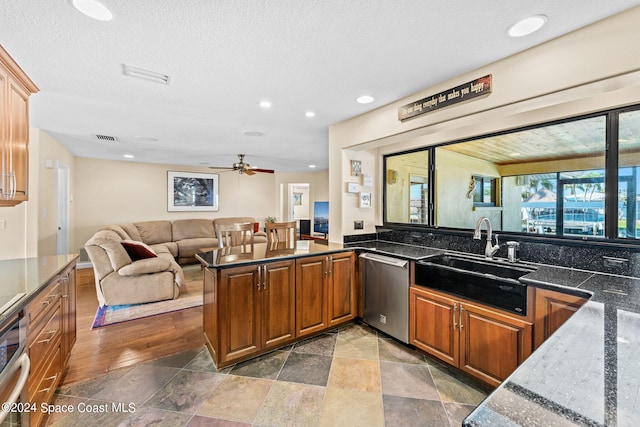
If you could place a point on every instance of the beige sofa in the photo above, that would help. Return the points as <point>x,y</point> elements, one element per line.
<point>123,280</point>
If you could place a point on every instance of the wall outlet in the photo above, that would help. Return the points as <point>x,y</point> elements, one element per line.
<point>358,224</point>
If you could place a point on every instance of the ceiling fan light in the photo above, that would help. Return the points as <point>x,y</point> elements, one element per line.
<point>93,9</point>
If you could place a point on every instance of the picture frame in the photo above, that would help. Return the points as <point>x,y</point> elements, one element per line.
<point>365,200</point>
<point>353,187</point>
<point>356,167</point>
<point>189,191</point>
<point>297,199</point>
<point>367,180</point>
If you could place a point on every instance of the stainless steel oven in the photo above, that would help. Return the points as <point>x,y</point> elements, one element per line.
<point>14,364</point>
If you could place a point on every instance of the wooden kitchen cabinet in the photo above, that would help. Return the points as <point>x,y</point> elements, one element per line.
<point>15,89</point>
<point>325,292</point>
<point>249,309</point>
<point>551,311</point>
<point>477,339</point>
<point>51,331</point>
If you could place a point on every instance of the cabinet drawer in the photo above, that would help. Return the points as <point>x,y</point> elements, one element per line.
<point>43,340</point>
<point>42,388</point>
<point>42,303</point>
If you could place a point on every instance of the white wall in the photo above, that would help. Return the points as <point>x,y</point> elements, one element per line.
<point>591,69</point>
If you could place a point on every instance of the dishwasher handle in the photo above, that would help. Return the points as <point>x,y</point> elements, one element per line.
<point>395,262</point>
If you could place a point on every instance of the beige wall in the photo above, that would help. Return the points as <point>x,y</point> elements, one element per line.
<point>582,72</point>
<point>114,192</point>
<point>318,189</point>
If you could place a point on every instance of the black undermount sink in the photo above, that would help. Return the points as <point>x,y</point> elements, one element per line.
<point>491,282</point>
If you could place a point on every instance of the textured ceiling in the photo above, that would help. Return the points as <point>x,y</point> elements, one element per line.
<point>224,56</point>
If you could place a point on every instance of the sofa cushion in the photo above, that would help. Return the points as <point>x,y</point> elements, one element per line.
<point>138,250</point>
<point>110,242</point>
<point>188,248</point>
<point>131,231</point>
<point>152,232</point>
<point>192,228</point>
<point>119,231</point>
<point>146,266</point>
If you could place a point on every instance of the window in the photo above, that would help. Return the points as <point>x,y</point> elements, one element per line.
<point>555,179</point>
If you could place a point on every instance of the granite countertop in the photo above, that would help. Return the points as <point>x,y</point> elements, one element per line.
<point>21,279</point>
<point>588,371</point>
<point>260,252</point>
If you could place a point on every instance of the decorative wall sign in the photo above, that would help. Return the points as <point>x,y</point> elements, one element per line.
<point>188,191</point>
<point>365,200</point>
<point>367,180</point>
<point>356,167</point>
<point>352,187</point>
<point>473,89</point>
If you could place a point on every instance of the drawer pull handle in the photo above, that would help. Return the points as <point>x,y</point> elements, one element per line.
<point>53,334</point>
<point>53,381</point>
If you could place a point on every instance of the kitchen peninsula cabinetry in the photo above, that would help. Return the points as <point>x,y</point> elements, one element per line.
<point>15,89</point>
<point>552,310</point>
<point>325,292</point>
<point>254,311</point>
<point>481,341</point>
<point>252,307</point>
<point>51,328</point>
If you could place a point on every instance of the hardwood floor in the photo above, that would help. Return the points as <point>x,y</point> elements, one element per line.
<point>102,350</point>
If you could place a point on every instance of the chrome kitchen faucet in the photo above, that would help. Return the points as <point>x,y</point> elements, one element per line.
<point>490,249</point>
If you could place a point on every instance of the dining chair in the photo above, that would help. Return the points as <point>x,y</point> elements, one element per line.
<point>240,234</point>
<point>282,233</point>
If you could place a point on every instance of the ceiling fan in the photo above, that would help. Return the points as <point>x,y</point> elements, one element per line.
<point>243,167</point>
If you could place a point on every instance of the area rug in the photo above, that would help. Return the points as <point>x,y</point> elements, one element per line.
<point>190,296</point>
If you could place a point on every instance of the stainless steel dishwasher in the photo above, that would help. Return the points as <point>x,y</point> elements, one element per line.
<point>385,285</point>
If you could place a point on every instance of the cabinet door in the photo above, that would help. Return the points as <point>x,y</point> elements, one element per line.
<point>492,345</point>
<point>552,310</point>
<point>239,312</point>
<point>342,303</point>
<point>311,295</point>
<point>18,140</point>
<point>278,303</point>
<point>433,320</point>
<point>68,281</point>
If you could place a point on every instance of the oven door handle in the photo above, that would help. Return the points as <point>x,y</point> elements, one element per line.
<point>25,365</point>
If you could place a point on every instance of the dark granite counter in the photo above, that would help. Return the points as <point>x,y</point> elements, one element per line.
<point>588,372</point>
<point>260,252</point>
<point>21,279</point>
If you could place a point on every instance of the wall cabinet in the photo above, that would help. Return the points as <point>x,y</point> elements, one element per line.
<point>477,339</point>
<point>51,331</point>
<point>552,310</point>
<point>325,292</point>
<point>15,89</point>
<point>249,309</point>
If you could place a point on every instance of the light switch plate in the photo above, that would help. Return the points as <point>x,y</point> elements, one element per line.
<point>358,224</point>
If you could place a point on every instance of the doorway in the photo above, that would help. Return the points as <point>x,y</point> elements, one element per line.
<point>62,222</point>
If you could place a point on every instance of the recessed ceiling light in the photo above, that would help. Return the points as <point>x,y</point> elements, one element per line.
<point>312,166</point>
<point>93,9</point>
<point>364,99</point>
<point>252,133</point>
<point>527,26</point>
<point>128,156</point>
<point>265,104</point>
<point>310,114</point>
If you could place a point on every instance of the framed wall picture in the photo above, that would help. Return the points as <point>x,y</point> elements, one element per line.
<point>297,199</point>
<point>187,191</point>
<point>352,187</point>
<point>356,167</point>
<point>367,180</point>
<point>365,200</point>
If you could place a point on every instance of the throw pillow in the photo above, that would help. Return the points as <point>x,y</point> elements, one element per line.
<point>138,250</point>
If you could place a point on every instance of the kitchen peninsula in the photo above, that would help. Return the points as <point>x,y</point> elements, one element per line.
<point>260,297</point>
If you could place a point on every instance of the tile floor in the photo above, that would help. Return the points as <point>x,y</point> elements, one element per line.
<point>350,377</point>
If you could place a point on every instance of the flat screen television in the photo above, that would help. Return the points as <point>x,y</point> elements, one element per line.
<point>321,217</point>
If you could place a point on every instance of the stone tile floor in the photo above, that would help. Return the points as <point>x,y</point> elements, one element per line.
<point>350,377</point>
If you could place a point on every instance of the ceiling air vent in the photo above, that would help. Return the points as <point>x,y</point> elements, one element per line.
<point>107,138</point>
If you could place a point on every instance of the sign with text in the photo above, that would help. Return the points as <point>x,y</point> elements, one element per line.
<point>464,92</point>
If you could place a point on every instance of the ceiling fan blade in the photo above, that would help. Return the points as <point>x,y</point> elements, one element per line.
<point>221,167</point>
<point>263,170</point>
